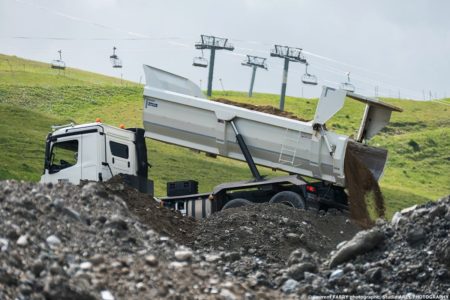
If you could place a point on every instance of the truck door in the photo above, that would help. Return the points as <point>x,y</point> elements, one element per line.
<point>120,156</point>
<point>65,160</point>
<point>91,156</point>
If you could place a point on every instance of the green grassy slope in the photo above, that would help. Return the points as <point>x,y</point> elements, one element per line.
<point>19,71</point>
<point>22,140</point>
<point>36,97</point>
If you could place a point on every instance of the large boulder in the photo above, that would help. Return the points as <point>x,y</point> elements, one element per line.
<point>362,242</point>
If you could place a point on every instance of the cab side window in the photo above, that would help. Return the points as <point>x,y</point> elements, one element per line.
<point>64,155</point>
<point>119,150</point>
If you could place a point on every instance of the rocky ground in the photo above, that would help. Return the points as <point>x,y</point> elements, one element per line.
<point>165,222</point>
<point>98,242</point>
<point>273,231</point>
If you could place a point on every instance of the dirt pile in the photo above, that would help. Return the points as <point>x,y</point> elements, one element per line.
<point>273,231</point>
<point>262,108</point>
<point>70,242</point>
<point>410,255</point>
<point>360,183</point>
<point>166,222</point>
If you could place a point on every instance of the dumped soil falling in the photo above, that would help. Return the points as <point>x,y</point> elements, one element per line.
<point>360,182</point>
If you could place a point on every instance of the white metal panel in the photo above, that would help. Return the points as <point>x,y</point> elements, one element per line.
<point>202,124</point>
<point>167,81</point>
<point>175,116</point>
<point>375,119</point>
<point>330,102</point>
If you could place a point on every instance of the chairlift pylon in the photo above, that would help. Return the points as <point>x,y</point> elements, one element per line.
<point>309,78</point>
<point>58,63</point>
<point>348,86</point>
<point>115,60</point>
<point>200,61</point>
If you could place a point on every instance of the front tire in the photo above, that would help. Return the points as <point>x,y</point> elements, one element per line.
<point>289,198</point>
<point>238,202</point>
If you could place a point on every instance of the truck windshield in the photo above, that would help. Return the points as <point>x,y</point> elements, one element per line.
<point>64,155</point>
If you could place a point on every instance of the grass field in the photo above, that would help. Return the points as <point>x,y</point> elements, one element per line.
<point>33,97</point>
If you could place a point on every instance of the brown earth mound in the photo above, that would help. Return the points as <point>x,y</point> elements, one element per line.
<point>262,108</point>
<point>164,221</point>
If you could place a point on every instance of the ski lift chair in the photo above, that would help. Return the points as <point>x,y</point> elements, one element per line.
<point>58,64</point>
<point>115,60</point>
<point>200,62</point>
<point>348,87</point>
<point>309,79</point>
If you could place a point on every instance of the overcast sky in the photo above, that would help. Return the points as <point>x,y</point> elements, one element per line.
<point>401,46</point>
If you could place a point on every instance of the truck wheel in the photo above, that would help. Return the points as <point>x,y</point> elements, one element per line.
<point>289,198</point>
<point>238,202</point>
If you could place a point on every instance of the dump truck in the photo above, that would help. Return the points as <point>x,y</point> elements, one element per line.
<point>175,111</point>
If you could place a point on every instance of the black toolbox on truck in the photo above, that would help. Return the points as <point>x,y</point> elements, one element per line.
<point>180,188</point>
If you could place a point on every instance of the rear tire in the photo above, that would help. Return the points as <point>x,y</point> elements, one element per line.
<point>238,202</point>
<point>289,198</point>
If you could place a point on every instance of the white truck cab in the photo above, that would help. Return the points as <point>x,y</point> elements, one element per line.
<point>96,152</point>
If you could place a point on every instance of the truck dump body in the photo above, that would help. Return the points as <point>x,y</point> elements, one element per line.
<point>176,112</point>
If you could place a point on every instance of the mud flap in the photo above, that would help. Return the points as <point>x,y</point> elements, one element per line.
<point>373,158</point>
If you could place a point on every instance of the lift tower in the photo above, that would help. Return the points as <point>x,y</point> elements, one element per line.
<point>288,54</point>
<point>254,62</point>
<point>213,43</point>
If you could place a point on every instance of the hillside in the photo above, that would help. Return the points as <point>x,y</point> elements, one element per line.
<point>35,96</point>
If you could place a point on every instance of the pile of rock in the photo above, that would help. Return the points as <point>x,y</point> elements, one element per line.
<point>411,255</point>
<point>273,231</point>
<point>71,242</point>
<point>149,212</point>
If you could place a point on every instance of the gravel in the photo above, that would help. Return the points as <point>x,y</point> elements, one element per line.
<point>105,253</point>
<point>273,231</point>
<point>92,242</point>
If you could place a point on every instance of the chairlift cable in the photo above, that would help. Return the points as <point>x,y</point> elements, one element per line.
<point>140,36</point>
<point>143,36</point>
